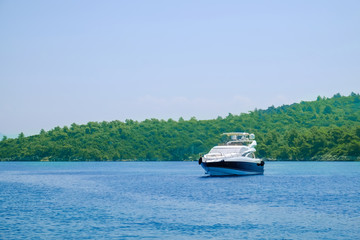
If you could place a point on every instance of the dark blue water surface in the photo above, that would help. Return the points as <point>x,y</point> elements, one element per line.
<point>174,200</point>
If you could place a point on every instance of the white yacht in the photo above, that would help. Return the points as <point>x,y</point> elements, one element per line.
<point>235,157</point>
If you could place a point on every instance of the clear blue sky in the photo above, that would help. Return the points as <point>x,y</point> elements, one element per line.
<point>77,61</point>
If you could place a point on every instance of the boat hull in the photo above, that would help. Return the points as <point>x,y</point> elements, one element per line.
<point>226,168</point>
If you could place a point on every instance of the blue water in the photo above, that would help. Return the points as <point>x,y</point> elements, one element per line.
<point>173,200</point>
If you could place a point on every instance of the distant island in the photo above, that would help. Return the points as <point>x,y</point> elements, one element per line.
<point>324,129</point>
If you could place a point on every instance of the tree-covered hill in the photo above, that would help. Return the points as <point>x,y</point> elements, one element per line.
<point>325,129</point>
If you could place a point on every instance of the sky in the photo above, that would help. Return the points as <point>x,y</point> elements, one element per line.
<point>64,62</point>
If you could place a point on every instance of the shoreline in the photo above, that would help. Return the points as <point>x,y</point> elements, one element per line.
<point>128,160</point>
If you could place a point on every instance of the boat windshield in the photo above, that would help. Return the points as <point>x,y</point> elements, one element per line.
<point>227,150</point>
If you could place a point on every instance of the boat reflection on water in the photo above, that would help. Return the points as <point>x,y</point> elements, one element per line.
<point>235,157</point>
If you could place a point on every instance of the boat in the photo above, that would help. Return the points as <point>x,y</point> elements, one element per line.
<point>234,157</point>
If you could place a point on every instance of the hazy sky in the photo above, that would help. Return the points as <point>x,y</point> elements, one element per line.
<point>78,61</point>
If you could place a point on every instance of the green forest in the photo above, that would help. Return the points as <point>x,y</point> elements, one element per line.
<point>323,129</point>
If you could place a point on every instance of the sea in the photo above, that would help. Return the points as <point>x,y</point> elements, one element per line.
<point>176,200</point>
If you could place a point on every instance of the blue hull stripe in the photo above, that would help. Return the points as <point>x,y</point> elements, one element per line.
<point>232,168</point>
